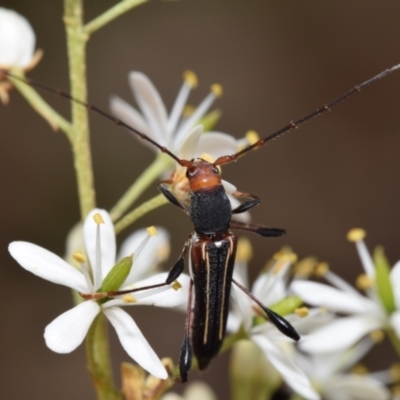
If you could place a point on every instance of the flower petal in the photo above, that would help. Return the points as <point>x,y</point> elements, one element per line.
<point>17,39</point>
<point>67,331</point>
<point>152,255</point>
<point>290,372</point>
<point>229,188</point>
<point>395,322</point>
<point>107,245</point>
<point>339,334</point>
<point>47,265</point>
<point>270,287</point>
<point>74,243</point>
<point>177,108</point>
<point>395,280</point>
<point>216,144</point>
<point>194,119</point>
<point>151,105</point>
<point>355,387</point>
<point>128,114</point>
<point>321,295</point>
<point>186,147</point>
<point>134,343</point>
<point>244,217</point>
<point>161,297</point>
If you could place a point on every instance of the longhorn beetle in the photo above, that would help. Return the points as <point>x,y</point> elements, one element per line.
<point>212,245</point>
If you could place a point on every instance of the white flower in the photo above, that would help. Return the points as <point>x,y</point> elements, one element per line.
<point>193,391</point>
<point>182,136</point>
<point>17,40</point>
<point>270,288</point>
<point>367,313</point>
<point>327,374</point>
<point>67,331</point>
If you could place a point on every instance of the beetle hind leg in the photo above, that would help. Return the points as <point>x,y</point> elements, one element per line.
<point>185,358</point>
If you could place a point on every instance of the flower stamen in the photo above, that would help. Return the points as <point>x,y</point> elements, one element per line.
<point>302,312</point>
<point>364,282</point>
<point>129,299</point>
<point>81,259</point>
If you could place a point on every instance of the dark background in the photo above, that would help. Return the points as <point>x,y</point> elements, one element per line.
<point>277,61</point>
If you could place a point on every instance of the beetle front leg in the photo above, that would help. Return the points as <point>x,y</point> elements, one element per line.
<point>247,205</point>
<point>185,358</point>
<point>169,196</point>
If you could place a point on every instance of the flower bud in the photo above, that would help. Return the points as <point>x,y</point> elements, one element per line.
<point>116,277</point>
<point>383,284</point>
<point>17,40</point>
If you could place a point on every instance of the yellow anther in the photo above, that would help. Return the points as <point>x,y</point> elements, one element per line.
<point>278,267</point>
<point>364,282</point>
<point>79,257</point>
<point>98,219</point>
<point>321,269</point>
<point>285,255</point>
<point>359,369</point>
<point>176,285</point>
<point>207,157</point>
<point>217,89</point>
<point>244,250</point>
<point>129,299</point>
<point>377,336</point>
<point>188,110</point>
<point>151,231</point>
<point>305,267</point>
<point>302,312</point>
<point>394,372</point>
<point>356,234</point>
<point>190,78</point>
<point>252,137</point>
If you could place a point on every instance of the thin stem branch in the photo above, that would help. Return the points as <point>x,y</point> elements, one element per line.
<point>111,14</point>
<point>149,175</point>
<point>37,102</point>
<point>76,41</point>
<point>139,212</point>
<point>98,361</point>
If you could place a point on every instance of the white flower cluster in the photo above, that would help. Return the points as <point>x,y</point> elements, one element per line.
<point>318,367</point>
<point>96,259</point>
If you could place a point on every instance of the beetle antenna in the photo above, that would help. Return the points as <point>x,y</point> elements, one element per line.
<point>35,83</point>
<point>295,124</point>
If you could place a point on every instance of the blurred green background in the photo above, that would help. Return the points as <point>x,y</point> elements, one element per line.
<point>277,61</point>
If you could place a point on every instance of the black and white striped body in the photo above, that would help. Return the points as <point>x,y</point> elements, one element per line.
<point>211,269</point>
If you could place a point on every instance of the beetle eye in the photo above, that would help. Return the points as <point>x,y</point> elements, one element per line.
<point>216,170</point>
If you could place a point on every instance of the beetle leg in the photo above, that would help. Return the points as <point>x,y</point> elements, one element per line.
<point>185,359</point>
<point>169,196</point>
<point>177,269</point>
<point>258,229</point>
<point>281,324</point>
<point>247,205</point>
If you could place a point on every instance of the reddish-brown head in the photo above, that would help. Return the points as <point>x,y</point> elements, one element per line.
<point>202,174</point>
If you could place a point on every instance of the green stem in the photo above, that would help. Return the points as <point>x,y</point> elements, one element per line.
<point>150,174</point>
<point>76,41</point>
<point>98,360</point>
<point>138,212</point>
<point>37,102</point>
<point>111,14</point>
<point>394,340</point>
